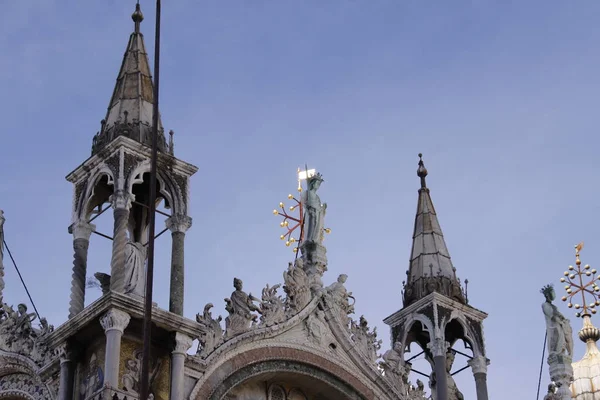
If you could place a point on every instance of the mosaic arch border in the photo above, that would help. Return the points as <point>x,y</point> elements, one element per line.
<point>255,362</point>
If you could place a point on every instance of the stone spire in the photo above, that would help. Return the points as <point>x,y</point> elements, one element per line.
<point>130,108</point>
<point>430,268</point>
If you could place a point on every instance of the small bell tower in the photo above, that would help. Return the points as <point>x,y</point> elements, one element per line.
<point>436,314</point>
<point>100,345</point>
<point>117,176</point>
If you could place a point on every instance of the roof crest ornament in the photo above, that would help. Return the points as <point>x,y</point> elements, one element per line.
<point>574,278</point>
<point>137,17</point>
<point>422,171</point>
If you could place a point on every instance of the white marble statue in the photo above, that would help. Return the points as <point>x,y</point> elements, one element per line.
<point>558,328</point>
<point>314,211</point>
<point>135,263</point>
<point>240,307</point>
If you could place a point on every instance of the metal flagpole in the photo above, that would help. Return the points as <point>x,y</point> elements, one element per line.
<point>145,389</point>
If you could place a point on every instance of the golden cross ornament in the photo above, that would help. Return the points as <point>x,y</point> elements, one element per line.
<point>581,281</point>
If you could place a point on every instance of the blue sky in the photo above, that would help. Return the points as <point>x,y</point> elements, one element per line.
<point>501,97</point>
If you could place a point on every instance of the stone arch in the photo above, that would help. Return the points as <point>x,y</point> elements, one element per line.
<point>469,335</point>
<point>19,380</point>
<point>267,360</point>
<point>86,205</point>
<point>168,187</point>
<point>412,319</point>
<point>15,395</point>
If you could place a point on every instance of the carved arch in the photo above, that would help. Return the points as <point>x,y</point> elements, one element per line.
<point>470,336</point>
<point>19,379</point>
<point>426,323</point>
<point>168,187</point>
<point>245,365</point>
<point>83,208</point>
<point>15,395</point>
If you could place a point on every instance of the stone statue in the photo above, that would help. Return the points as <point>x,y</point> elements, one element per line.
<point>240,307</point>
<point>341,297</point>
<point>365,340</point>
<point>296,288</point>
<point>92,380</point>
<point>135,263</point>
<point>213,336</point>
<point>453,392</point>
<point>558,328</point>
<point>394,367</point>
<point>314,211</point>
<point>272,307</point>
<point>551,395</point>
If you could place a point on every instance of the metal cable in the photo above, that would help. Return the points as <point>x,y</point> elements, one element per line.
<point>541,366</point>
<point>22,281</point>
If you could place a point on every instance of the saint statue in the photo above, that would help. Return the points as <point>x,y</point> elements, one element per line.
<point>341,297</point>
<point>314,211</point>
<point>240,307</point>
<point>558,328</point>
<point>135,262</point>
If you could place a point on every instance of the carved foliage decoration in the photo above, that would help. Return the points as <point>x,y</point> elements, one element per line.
<point>23,386</point>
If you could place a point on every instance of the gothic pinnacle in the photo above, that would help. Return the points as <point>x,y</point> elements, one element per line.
<point>422,171</point>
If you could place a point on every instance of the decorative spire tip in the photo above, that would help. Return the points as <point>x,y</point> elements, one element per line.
<point>422,171</point>
<point>137,17</point>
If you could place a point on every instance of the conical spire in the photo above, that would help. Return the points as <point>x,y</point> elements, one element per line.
<point>430,269</point>
<point>130,108</point>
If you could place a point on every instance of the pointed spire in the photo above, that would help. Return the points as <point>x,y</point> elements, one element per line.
<point>130,108</point>
<point>430,268</point>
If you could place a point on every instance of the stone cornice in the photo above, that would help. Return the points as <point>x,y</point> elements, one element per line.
<point>92,162</point>
<point>435,298</point>
<point>161,318</point>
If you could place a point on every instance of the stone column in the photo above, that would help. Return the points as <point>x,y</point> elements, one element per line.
<point>121,202</point>
<point>81,232</point>
<point>114,323</point>
<point>479,366</point>
<point>67,372</point>
<point>439,348</point>
<point>182,345</point>
<point>178,225</point>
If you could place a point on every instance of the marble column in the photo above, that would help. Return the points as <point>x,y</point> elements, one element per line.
<point>121,202</point>
<point>182,345</point>
<point>81,232</point>
<point>178,225</point>
<point>439,348</point>
<point>479,366</point>
<point>67,372</point>
<point>114,323</point>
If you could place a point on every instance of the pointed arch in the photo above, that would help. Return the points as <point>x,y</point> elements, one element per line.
<point>168,187</point>
<point>83,210</point>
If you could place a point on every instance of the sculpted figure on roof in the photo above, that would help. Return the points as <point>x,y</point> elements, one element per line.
<point>240,307</point>
<point>558,328</point>
<point>314,210</point>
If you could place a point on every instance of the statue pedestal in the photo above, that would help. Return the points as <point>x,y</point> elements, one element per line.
<point>561,373</point>
<point>314,256</point>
